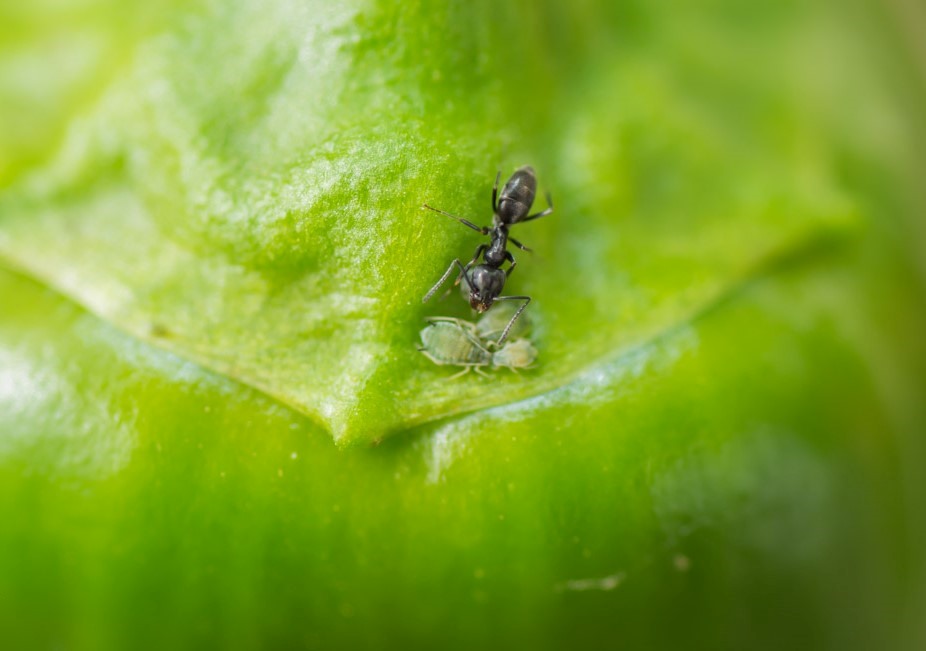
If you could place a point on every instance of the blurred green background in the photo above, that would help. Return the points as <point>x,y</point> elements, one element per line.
<point>215,431</point>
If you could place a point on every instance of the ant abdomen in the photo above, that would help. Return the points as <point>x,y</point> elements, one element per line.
<point>517,196</point>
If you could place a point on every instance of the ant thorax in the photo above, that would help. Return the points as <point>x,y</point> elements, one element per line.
<point>497,252</point>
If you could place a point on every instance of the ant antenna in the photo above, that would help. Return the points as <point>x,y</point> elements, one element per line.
<point>479,229</point>
<point>446,275</point>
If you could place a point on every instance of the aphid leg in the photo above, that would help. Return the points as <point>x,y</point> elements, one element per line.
<point>466,326</point>
<point>495,192</point>
<point>443,278</point>
<point>527,300</point>
<point>460,374</point>
<point>431,357</point>
<point>514,263</point>
<point>518,244</point>
<point>540,214</point>
<point>482,229</point>
<point>474,339</point>
<point>480,371</point>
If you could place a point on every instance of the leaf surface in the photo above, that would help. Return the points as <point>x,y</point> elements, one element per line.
<point>259,212</point>
<point>212,258</point>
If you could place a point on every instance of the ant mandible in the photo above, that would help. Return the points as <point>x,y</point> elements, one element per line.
<point>486,280</point>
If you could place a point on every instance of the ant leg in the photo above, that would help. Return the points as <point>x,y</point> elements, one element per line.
<point>443,278</point>
<point>479,251</point>
<point>495,193</point>
<point>518,244</point>
<point>469,265</point>
<point>540,214</point>
<point>481,229</point>
<point>527,300</point>
<point>514,263</point>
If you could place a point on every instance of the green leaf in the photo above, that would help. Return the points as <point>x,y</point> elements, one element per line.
<point>259,212</point>
<point>155,494</point>
<point>213,255</point>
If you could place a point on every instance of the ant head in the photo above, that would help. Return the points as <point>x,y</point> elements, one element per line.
<point>487,284</point>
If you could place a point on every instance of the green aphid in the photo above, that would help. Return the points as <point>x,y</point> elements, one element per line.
<point>454,342</point>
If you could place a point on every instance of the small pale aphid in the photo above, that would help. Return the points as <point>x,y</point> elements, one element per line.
<point>453,342</point>
<point>517,353</point>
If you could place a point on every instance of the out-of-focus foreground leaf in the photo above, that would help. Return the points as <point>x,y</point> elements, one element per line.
<point>215,255</point>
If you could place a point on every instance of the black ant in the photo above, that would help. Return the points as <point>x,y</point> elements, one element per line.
<point>487,280</point>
